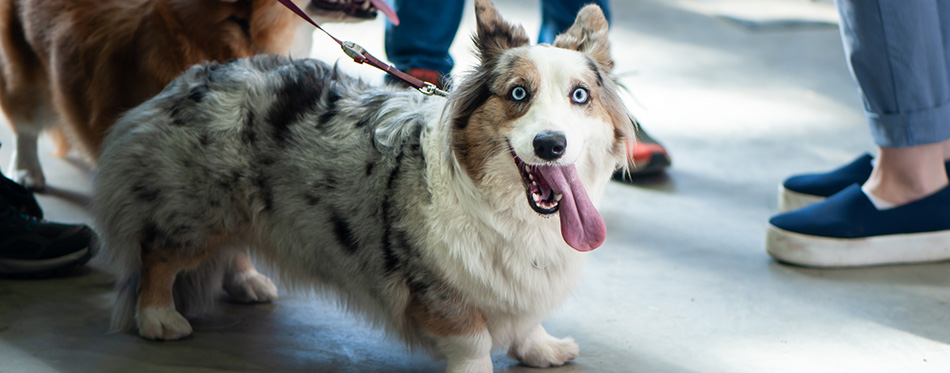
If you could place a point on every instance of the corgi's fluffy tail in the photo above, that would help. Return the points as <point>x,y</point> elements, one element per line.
<point>195,292</point>
<point>123,313</point>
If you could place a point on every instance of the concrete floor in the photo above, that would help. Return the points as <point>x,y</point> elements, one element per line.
<point>743,93</point>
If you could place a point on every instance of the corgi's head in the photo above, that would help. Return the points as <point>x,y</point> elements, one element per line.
<point>545,117</point>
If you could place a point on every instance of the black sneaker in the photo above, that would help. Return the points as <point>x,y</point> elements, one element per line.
<point>32,248</point>
<point>18,196</point>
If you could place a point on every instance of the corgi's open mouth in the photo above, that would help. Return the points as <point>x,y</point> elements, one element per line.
<point>541,197</point>
<point>556,188</point>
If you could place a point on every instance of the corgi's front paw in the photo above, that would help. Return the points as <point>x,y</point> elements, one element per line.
<point>541,350</point>
<point>162,323</point>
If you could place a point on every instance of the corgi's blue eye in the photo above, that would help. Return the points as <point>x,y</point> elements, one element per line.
<point>580,96</point>
<point>518,93</point>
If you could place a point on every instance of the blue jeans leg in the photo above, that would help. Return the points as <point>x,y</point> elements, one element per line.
<point>425,32</point>
<point>898,53</point>
<point>558,15</point>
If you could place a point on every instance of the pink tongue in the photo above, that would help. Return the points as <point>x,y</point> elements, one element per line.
<point>389,12</point>
<point>581,224</point>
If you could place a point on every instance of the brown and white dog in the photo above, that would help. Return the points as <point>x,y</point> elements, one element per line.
<point>80,63</point>
<point>457,223</point>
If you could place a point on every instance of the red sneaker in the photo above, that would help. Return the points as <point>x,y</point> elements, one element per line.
<point>428,75</point>
<point>645,155</point>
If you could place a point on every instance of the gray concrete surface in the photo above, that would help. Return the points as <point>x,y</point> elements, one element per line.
<point>683,283</point>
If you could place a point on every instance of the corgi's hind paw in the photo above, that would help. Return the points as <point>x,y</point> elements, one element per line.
<point>250,287</point>
<point>162,323</point>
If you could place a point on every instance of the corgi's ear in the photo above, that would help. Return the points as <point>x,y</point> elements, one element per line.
<point>588,35</point>
<point>494,34</point>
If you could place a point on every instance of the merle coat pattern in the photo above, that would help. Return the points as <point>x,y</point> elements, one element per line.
<point>410,208</point>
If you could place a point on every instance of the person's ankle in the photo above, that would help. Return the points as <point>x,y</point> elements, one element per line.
<point>899,192</point>
<point>906,174</point>
<point>945,146</point>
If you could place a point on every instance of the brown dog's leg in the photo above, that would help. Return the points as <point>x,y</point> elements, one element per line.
<point>244,284</point>
<point>29,115</point>
<point>156,315</point>
<point>24,95</point>
<point>59,138</point>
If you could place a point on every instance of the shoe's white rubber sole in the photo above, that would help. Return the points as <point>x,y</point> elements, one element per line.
<point>16,266</point>
<point>789,200</point>
<point>815,251</point>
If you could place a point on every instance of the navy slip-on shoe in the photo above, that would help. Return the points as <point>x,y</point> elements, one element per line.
<point>802,190</point>
<point>846,230</point>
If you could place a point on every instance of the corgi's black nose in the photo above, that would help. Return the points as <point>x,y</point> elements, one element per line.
<point>550,145</point>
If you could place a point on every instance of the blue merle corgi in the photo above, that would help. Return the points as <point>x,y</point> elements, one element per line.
<point>456,223</point>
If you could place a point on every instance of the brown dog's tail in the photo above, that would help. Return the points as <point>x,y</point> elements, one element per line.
<point>61,140</point>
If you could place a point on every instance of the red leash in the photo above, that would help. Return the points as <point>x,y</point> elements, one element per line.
<point>360,55</point>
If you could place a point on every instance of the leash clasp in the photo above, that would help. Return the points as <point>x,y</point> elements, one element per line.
<point>430,89</point>
<point>355,51</point>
